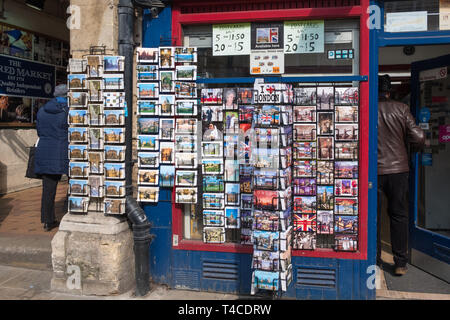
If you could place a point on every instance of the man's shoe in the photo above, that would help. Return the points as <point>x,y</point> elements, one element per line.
<point>400,271</point>
<point>50,226</point>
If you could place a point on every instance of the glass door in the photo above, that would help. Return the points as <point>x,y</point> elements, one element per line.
<point>430,207</point>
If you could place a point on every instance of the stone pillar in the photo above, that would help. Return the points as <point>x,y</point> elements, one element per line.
<point>93,250</point>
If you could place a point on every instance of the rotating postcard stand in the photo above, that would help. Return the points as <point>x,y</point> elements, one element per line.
<point>272,206</point>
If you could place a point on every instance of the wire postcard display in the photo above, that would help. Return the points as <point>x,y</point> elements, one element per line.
<point>97,112</point>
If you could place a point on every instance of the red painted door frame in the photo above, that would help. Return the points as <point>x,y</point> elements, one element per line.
<point>361,11</point>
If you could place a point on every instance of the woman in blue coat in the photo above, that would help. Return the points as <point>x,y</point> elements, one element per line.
<point>51,158</point>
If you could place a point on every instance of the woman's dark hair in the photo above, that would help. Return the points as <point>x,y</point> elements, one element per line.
<point>384,84</point>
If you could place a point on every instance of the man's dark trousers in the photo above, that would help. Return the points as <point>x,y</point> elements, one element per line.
<point>395,187</point>
<point>49,184</point>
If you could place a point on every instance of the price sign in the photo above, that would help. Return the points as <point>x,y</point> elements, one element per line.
<point>231,39</point>
<point>304,36</point>
<point>267,62</point>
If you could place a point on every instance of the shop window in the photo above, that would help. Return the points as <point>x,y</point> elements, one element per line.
<point>417,15</point>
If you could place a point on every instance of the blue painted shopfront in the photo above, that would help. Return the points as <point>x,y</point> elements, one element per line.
<point>313,278</point>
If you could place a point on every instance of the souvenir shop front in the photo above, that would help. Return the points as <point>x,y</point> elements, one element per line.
<point>265,156</point>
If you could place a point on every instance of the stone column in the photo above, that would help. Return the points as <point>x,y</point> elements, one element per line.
<point>96,248</point>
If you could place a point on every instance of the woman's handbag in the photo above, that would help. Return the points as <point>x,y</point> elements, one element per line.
<point>30,168</point>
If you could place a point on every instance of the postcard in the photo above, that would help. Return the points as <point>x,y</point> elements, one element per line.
<point>147,72</point>
<point>78,204</point>
<point>148,159</point>
<point>213,201</point>
<point>304,241</point>
<point>185,160</point>
<point>186,108</point>
<point>212,149</point>
<point>167,152</point>
<point>305,150</point>
<point>115,153</point>
<point>305,96</point>
<point>232,218</point>
<point>230,99</point>
<point>213,218</point>
<point>266,178</point>
<point>167,129</point>
<point>185,178</point>
<point>212,166</point>
<point>166,105</point>
<point>78,117</point>
<point>212,132</point>
<point>186,72</point>
<point>115,188</point>
<point>148,177</point>
<point>77,152</point>
<point>212,113</point>
<point>148,55</point>
<point>114,135</point>
<point>114,99</point>
<point>347,150</point>
<point>305,205</point>
<point>266,240</point>
<point>113,82</point>
<point>231,170</point>
<point>184,89</point>
<point>78,187</point>
<point>148,90</point>
<point>114,117</point>
<point>346,169</point>
<point>232,191</point>
<point>245,95</point>
<point>246,113</point>
<point>78,135</point>
<point>346,114</point>
<point>77,81</point>
<point>231,144</point>
<point>231,122</point>
<point>325,123</point>
<point>95,88</point>
<point>305,132</point>
<point>325,222</point>
<point>346,242</point>
<point>96,138</point>
<point>186,126</point>
<point>114,206</point>
<point>148,194</point>
<point>246,169</point>
<point>346,206</point>
<point>325,149</point>
<point>114,171</point>
<point>267,137</point>
<point>305,113</point>
<point>185,55</point>
<point>185,143</point>
<point>266,260</point>
<point>346,187</point>
<point>186,195</point>
<point>146,142</point>
<point>94,66</point>
<point>96,162</point>
<point>166,176</point>
<point>77,65</point>
<point>305,222</point>
<point>325,98</point>
<point>166,81</point>
<point>95,114</point>
<point>346,224</point>
<point>148,125</point>
<point>325,197</point>
<point>166,57</point>
<point>305,168</point>
<point>305,186</point>
<point>211,96</point>
<point>213,183</point>
<point>113,63</point>
<point>267,115</point>
<point>246,201</point>
<point>346,132</point>
<point>265,158</point>
<point>347,96</point>
<point>268,221</point>
<point>78,169</point>
<point>325,172</point>
<point>246,184</point>
<point>266,280</point>
<point>96,188</point>
<point>213,235</point>
<point>77,99</point>
<point>266,200</point>
<point>287,115</point>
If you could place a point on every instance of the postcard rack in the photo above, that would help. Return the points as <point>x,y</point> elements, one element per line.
<point>88,96</point>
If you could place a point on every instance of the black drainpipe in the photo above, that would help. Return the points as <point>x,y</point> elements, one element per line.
<point>140,224</point>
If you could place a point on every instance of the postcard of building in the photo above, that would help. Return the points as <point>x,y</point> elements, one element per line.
<point>346,206</point>
<point>148,177</point>
<point>325,197</point>
<point>185,143</point>
<point>213,218</point>
<point>115,153</point>
<point>231,170</point>
<point>246,184</point>
<point>266,240</point>
<point>114,63</point>
<point>166,80</point>
<point>148,159</point>
<point>346,114</point>
<point>346,187</point>
<point>325,98</point>
<point>346,96</point>
<point>113,81</point>
<point>246,201</point>
<point>166,129</point>
<point>346,224</point>
<point>213,183</point>
<point>214,201</point>
<point>232,218</point>
<point>96,160</point>
<point>232,192</point>
<point>114,171</point>
<point>77,65</point>
<point>186,126</point>
<point>305,132</point>
<point>266,280</point>
<point>305,205</point>
<point>78,187</point>
<point>347,132</point>
<point>305,168</point>
<point>325,148</point>
<point>184,89</point>
<point>185,55</point>
<point>167,152</point>
<point>148,194</point>
<point>77,81</point>
<point>166,176</point>
<point>147,108</point>
<point>148,142</point>
<point>96,188</point>
<point>325,223</point>
<point>147,55</point>
<point>166,58</point>
<point>78,169</point>
<point>147,72</point>
<point>95,90</point>
<point>114,117</point>
<point>148,125</point>
<point>347,150</point>
<point>185,160</point>
<point>325,123</point>
<point>266,199</point>
<point>94,66</point>
<point>213,235</point>
<point>166,105</point>
<point>346,169</point>
<point>305,96</point>
<point>114,135</point>
<point>77,99</point>
<point>346,242</point>
<point>77,117</point>
<point>114,188</point>
<point>212,166</point>
<point>148,90</point>
<point>78,204</point>
<point>95,114</point>
<point>304,186</point>
<point>305,150</point>
<point>266,260</point>
<point>114,206</point>
<point>78,152</point>
<point>266,220</point>
<point>304,114</point>
<point>78,135</point>
<point>212,149</point>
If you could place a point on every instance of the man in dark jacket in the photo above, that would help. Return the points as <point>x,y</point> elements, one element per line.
<point>51,158</point>
<point>396,128</point>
